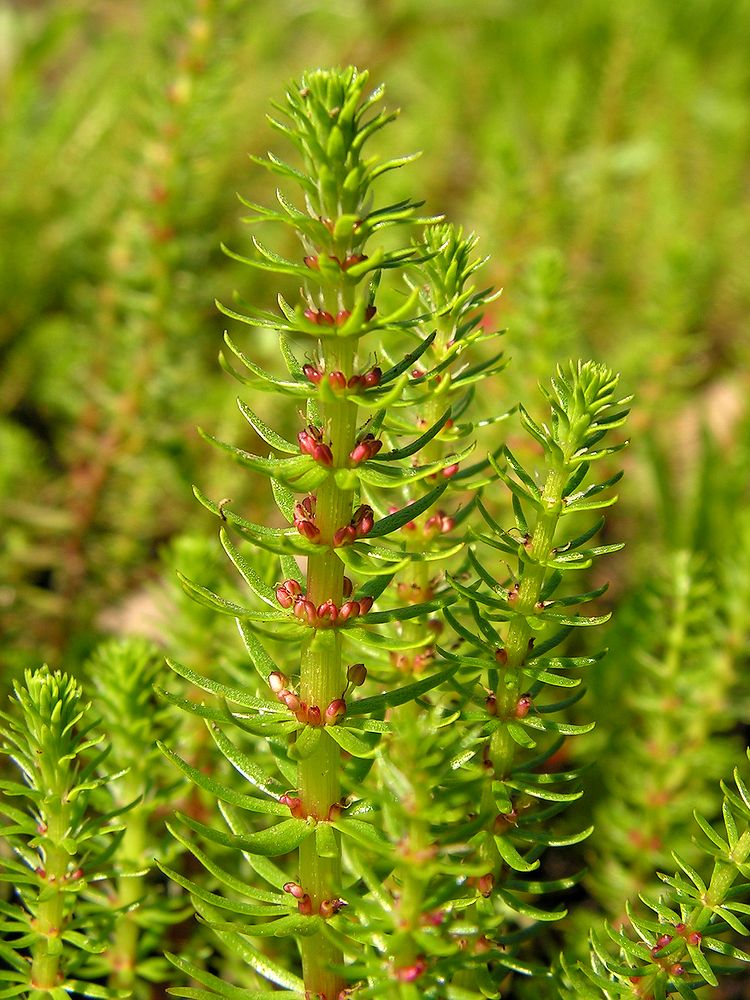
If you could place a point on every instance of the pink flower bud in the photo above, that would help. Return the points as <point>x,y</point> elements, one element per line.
<point>342,316</point>
<point>327,611</point>
<point>337,381</point>
<point>357,674</point>
<point>344,536</point>
<point>304,906</point>
<point>308,530</point>
<point>325,317</point>
<point>355,382</point>
<point>283,596</point>
<point>294,805</point>
<point>365,603</point>
<point>523,706</point>
<point>306,442</point>
<point>349,609</point>
<point>450,470</point>
<point>360,453</point>
<point>335,711</point>
<point>417,373</point>
<point>312,315</point>
<point>277,681</point>
<point>291,700</point>
<point>312,263</point>
<point>322,454</point>
<point>294,889</point>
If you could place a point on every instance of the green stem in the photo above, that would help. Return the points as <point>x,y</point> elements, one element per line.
<point>322,681</point>
<point>540,544</point>
<point>124,950</point>
<point>46,951</point>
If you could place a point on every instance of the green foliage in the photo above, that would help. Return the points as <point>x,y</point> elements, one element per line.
<point>63,832</point>
<point>562,138</point>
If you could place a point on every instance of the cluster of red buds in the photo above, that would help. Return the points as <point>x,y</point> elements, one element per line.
<point>309,715</point>
<point>326,909</point>
<point>438,523</point>
<point>359,526</point>
<point>339,382</point>
<point>327,615</point>
<point>365,449</point>
<point>355,258</point>
<point>693,938</point>
<point>311,443</point>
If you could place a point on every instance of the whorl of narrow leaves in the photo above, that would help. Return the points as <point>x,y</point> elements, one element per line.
<point>62,836</point>
<point>688,942</point>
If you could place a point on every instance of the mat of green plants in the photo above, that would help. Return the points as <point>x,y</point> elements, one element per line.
<point>423,671</point>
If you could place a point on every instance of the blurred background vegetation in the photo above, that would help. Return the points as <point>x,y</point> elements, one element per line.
<point>600,150</point>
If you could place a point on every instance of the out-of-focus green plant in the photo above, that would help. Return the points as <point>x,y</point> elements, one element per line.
<point>64,834</point>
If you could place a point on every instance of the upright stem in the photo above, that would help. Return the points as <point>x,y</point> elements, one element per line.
<point>124,950</point>
<point>322,681</point>
<point>51,914</point>
<point>502,745</point>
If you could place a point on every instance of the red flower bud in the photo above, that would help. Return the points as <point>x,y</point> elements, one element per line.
<point>283,596</point>
<point>294,889</point>
<point>312,315</point>
<point>312,263</point>
<point>349,609</point>
<point>501,655</point>
<point>308,530</point>
<point>337,381</point>
<point>344,536</point>
<point>450,470</point>
<point>360,453</point>
<point>295,808</point>
<point>355,382</point>
<point>342,316</point>
<point>347,587</point>
<point>313,716</point>
<point>365,604</point>
<point>304,906</point>
<point>663,941</point>
<point>322,454</point>
<point>694,938</point>
<point>312,373</point>
<point>372,378</point>
<point>335,711</point>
